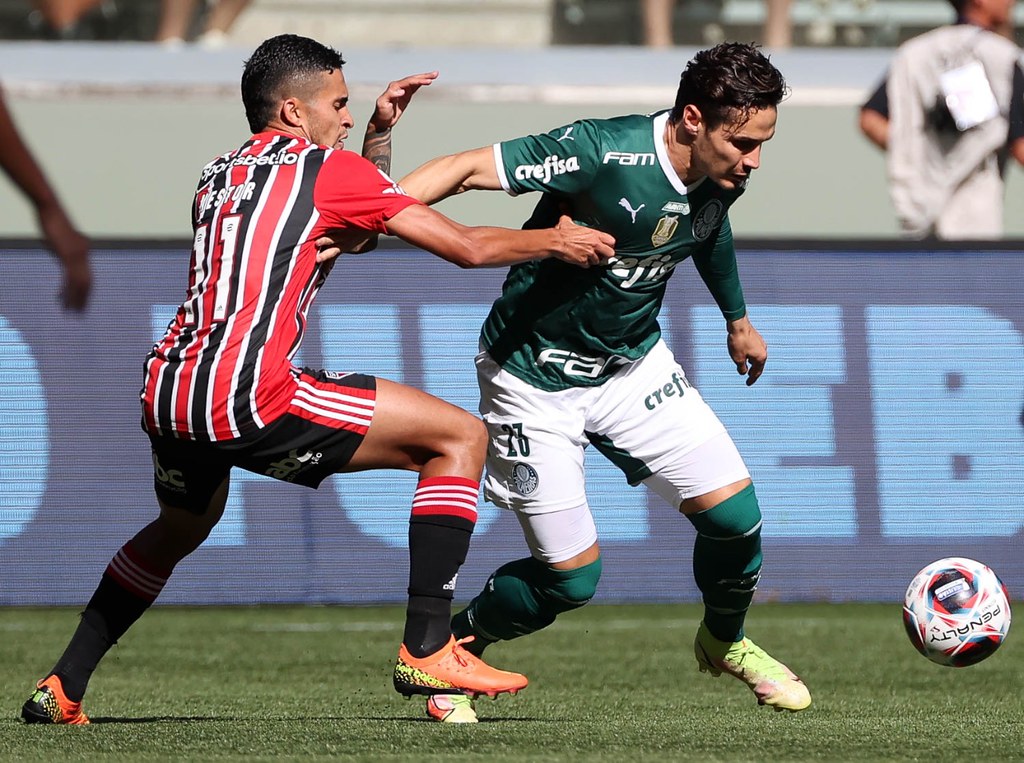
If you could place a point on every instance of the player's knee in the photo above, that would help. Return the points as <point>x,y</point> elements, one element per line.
<point>184,530</point>
<point>476,435</point>
<point>738,516</point>
<point>469,443</point>
<point>565,590</point>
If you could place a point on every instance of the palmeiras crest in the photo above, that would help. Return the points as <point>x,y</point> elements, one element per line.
<point>705,222</point>
<point>525,478</point>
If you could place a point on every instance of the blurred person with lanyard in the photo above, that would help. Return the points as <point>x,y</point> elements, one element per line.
<point>69,246</point>
<point>949,114</point>
<point>220,389</point>
<point>572,358</point>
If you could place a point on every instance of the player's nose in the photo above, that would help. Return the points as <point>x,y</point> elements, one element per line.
<point>753,160</point>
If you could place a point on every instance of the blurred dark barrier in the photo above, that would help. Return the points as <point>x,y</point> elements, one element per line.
<point>886,432</point>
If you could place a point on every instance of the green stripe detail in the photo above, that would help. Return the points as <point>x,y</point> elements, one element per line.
<point>636,471</point>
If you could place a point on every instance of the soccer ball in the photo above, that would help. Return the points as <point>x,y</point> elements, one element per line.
<point>956,612</point>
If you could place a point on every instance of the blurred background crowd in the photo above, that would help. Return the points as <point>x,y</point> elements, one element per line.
<point>836,169</point>
<point>656,23</point>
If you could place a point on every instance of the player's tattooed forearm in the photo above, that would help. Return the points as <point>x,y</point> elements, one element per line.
<point>377,148</point>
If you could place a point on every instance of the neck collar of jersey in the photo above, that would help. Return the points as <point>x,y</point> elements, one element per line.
<point>660,121</point>
<point>267,135</point>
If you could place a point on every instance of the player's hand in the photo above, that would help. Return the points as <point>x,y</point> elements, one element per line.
<point>393,102</point>
<point>581,245</point>
<point>338,241</point>
<point>747,349</point>
<point>72,249</point>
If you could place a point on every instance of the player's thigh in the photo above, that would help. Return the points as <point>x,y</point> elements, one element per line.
<point>323,426</point>
<point>557,536</point>
<point>411,427</point>
<point>536,441</point>
<point>655,426</point>
<point>188,476</point>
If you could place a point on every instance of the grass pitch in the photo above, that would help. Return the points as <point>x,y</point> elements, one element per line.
<point>608,683</point>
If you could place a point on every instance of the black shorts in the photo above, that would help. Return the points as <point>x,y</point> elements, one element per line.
<point>292,448</point>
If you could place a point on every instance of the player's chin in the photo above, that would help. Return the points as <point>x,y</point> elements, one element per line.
<point>732,182</point>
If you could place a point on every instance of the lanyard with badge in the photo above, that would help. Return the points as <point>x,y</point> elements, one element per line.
<point>968,95</point>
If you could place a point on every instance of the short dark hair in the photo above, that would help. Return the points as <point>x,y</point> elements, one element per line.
<point>728,78</point>
<point>279,67</point>
<point>958,6</point>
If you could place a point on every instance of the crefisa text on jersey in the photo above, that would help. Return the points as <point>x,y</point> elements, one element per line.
<point>552,166</point>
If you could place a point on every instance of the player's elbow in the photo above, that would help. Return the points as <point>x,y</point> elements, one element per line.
<point>471,258</point>
<point>477,248</point>
<point>466,252</point>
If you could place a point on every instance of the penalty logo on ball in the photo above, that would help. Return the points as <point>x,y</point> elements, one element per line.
<point>956,612</point>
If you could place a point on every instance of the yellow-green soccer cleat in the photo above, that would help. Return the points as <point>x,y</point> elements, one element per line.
<point>772,682</point>
<point>451,708</point>
<point>49,705</point>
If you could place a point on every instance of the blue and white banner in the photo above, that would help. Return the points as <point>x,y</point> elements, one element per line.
<point>886,432</point>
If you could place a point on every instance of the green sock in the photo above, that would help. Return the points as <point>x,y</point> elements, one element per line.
<point>727,561</point>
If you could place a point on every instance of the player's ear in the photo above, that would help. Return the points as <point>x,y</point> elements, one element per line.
<point>692,120</point>
<point>293,112</point>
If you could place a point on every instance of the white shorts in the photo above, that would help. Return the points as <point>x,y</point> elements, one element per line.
<point>646,419</point>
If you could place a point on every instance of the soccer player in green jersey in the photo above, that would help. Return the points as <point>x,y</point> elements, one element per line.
<point>573,357</point>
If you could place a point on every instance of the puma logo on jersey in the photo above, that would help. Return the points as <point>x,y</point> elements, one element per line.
<point>567,135</point>
<point>624,203</point>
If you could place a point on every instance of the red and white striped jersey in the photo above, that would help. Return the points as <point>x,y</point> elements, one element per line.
<point>224,369</point>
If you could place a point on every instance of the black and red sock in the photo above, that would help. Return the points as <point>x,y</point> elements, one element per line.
<point>129,586</point>
<point>440,528</point>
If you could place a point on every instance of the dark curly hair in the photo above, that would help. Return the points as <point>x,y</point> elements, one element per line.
<point>728,81</point>
<point>280,67</point>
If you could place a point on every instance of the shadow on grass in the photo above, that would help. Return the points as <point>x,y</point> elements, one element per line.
<point>294,719</point>
<point>164,719</point>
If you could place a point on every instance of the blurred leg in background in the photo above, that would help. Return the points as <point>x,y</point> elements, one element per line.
<point>176,21</point>
<point>657,15</point>
<point>778,27</point>
<point>61,18</point>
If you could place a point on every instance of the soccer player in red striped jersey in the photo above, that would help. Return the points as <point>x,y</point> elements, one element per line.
<point>220,389</point>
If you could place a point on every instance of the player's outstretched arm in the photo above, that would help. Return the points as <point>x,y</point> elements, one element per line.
<point>63,239</point>
<point>390,106</point>
<point>445,176</point>
<point>1017,151</point>
<point>474,247</point>
<point>875,127</point>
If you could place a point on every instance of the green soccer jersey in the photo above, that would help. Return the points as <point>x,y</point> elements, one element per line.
<point>558,326</point>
